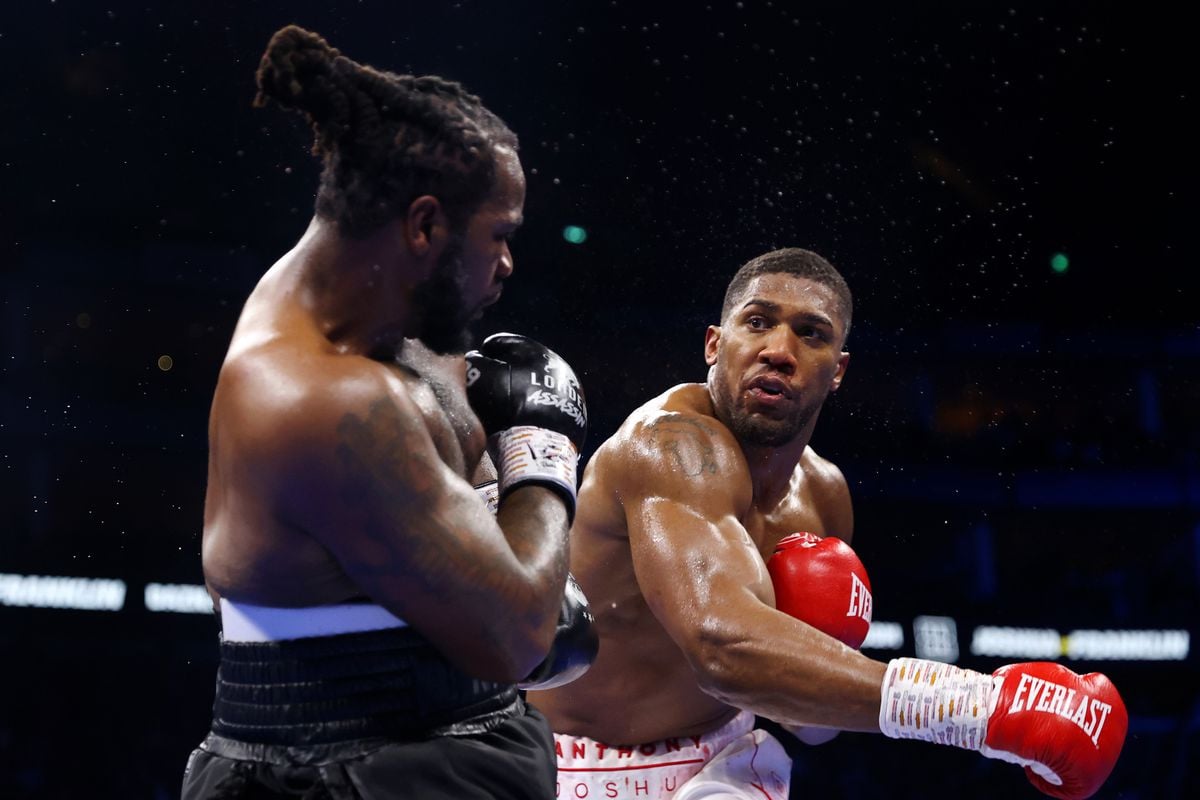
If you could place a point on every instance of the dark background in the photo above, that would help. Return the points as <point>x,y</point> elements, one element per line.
<point>1021,444</point>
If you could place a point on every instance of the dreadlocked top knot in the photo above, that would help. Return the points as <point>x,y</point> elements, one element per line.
<point>296,71</point>
<point>385,139</point>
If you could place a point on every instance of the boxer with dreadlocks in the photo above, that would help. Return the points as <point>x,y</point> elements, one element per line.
<point>377,619</point>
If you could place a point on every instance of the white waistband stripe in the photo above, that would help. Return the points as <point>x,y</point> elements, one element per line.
<point>242,622</point>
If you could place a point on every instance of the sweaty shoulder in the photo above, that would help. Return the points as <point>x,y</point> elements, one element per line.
<point>821,471</point>
<point>674,447</point>
<point>830,494</point>
<point>281,407</point>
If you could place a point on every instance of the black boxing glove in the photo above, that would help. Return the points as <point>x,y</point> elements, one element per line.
<point>575,643</point>
<point>533,409</point>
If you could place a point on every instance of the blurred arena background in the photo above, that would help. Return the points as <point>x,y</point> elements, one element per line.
<point>1009,189</point>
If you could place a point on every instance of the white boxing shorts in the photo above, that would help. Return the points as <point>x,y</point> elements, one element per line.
<point>734,762</point>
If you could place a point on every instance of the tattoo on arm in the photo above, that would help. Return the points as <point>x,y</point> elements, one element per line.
<point>689,442</point>
<point>388,473</point>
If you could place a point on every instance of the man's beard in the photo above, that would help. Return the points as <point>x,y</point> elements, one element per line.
<point>755,429</point>
<point>444,317</point>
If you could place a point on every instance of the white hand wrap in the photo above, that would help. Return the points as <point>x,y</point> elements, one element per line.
<point>489,493</point>
<point>527,453</point>
<point>936,702</point>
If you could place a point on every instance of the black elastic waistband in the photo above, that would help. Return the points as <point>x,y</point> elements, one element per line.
<point>389,684</point>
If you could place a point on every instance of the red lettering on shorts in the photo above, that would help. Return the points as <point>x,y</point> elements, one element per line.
<point>624,752</point>
<point>578,749</point>
<point>558,748</point>
<point>648,749</point>
<point>610,789</point>
<point>672,745</point>
<point>641,788</point>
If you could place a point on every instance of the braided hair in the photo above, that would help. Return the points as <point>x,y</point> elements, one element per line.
<point>384,139</point>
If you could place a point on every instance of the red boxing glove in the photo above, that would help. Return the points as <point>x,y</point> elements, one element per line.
<point>821,581</point>
<point>1066,730</point>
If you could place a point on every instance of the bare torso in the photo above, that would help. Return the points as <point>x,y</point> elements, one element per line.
<point>252,552</point>
<point>642,688</point>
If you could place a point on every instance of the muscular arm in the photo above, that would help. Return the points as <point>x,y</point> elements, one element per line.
<point>703,578</point>
<point>357,469</point>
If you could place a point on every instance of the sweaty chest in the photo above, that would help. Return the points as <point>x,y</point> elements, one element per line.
<point>799,512</point>
<point>455,430</point>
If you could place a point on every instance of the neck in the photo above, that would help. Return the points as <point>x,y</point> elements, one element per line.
<point>771,466</point>
<point>358,291</point>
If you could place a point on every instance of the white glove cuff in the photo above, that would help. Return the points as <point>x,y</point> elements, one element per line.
<point>1049,775</point>
<point>935,702</point>
<point>528,453</point>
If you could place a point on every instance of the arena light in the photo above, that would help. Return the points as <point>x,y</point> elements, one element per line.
<point>1148,645</point>
<point>933,637</point>
<point>54,591</point>
<point>178,598</point>
<point>575,234</point>
<point>1002,642</point>
<point>884,636</point>
<point>1047,644</point>
<point>936,638</point>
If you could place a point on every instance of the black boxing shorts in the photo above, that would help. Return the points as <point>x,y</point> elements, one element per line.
<point>513,760</point>
<point>374,713</point>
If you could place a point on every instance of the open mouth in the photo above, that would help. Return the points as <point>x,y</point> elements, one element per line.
<point>769,388</point>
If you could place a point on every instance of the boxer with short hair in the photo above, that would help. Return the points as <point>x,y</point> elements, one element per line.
<point>709,613</point>
<point>377,621</point>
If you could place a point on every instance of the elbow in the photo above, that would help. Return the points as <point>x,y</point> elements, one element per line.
<point>508,659</point>
<point>509,640</point>
<point>529,650</point>
<point>500,639</point>
<point>518,647</point>
<point>504,668</point>
<point>533,627</point>
<point>719,661</point>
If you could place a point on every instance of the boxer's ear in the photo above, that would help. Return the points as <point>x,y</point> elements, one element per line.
<point>426,228</point>
<point>712,340</point>
<point>839,376</point>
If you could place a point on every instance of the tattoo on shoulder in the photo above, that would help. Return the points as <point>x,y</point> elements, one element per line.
<point>689,441</point>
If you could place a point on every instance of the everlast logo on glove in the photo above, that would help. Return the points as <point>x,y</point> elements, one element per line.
<point>860,599</point>
<point>1065,729</point>
<point>1038,694</point>
<point>822,582</point>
